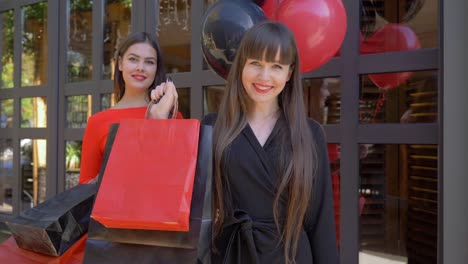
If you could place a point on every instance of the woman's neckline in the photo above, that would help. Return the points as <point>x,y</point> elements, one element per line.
<point>128,108</point>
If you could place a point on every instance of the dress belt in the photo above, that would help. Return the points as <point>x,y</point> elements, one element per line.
<point>248,238</point>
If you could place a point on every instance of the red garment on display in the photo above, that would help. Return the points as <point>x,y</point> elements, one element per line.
<point>333,156</point>
<point>94,140</point>
<point>333,153</point>
<point>11,253</point>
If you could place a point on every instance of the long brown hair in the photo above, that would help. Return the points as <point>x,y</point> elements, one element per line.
<point>134,38</point>
<point>297,171</point>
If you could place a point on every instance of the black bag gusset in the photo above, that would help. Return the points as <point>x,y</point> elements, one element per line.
<point>56,224</point>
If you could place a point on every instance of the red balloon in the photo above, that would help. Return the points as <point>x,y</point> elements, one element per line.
<point>270,7</point>
<point>388,81</point>
<point>319,27</point>
<point>391,38</point>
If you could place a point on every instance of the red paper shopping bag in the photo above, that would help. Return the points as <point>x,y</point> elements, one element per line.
<point>148,180</point>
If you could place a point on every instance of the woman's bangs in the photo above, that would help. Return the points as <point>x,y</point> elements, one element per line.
<point>265,45</point>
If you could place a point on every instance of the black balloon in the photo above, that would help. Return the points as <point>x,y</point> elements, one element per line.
<point>223,27</point>
<point>259,2</point>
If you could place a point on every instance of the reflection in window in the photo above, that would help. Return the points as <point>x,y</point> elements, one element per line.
<point>334,156</point>
<point>6,113</point>
<point>117,25</point>
<point>33,112</point>
<point>184,101</point>
<point>72,163</point>
<point>213,96</point>
<point>6,53</point>
<point>34,45</point>
<point>402,97</point>
<point>399,218</point>
<point>6,175</point>
<point>33,172</point>
<point>107,101</point>
<point>383,22</point>
<point>209,3</point>
<point>79,53</point>
<point>174,30</point>
<point>322,98</point>
<point>78,110</point>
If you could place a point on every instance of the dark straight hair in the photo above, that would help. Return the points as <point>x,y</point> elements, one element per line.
<point>134,38</point>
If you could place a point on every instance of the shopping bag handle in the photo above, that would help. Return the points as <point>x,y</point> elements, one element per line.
<point>172,113</point>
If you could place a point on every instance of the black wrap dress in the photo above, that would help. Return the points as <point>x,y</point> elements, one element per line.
<point>249,235</point>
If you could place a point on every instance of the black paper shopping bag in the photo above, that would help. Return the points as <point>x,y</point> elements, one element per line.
<point>56,224</point>
<point>125,245</point>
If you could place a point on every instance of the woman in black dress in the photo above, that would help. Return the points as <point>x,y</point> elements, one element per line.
<point>272,194</point>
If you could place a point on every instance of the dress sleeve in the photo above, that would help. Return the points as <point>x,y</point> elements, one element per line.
<point>320,224</point>
<point>91,155</point>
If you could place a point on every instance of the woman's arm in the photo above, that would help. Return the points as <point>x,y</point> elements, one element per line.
<point>91,155</point>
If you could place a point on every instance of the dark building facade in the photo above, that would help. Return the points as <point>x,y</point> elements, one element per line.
<point>390,102</point>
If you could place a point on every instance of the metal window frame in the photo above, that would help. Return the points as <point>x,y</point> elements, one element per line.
<point>18,91</point>
<point>348,67</point>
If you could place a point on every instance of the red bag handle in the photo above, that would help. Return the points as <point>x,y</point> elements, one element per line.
<point>172,114</point>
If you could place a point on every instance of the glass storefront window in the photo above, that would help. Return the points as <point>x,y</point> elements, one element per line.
<point>80,40</point>
<point>33,172</point>
<point>6,113</point>
<point>78,110</point>
<point>6,175</point>
<point>209,3</point>
<point>34,45</point>
<point>402,97</point>
<point>391,26</point>
<point>6,53</point>
<point>400,206</point>
<point>212,98</point>
<point>107,101</point>
<point>322,98</point>
<point>184,101</point>
<point>334,157</point>
<point>72,163</point>
<point>117,25</point>
<point>33,112</point>
<point>174,33</point>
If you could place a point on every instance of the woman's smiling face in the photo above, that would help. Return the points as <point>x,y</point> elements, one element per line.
<point>264,81</point>
<point>138,66</point>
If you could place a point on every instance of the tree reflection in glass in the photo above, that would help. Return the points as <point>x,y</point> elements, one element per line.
<point>34,45</point>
